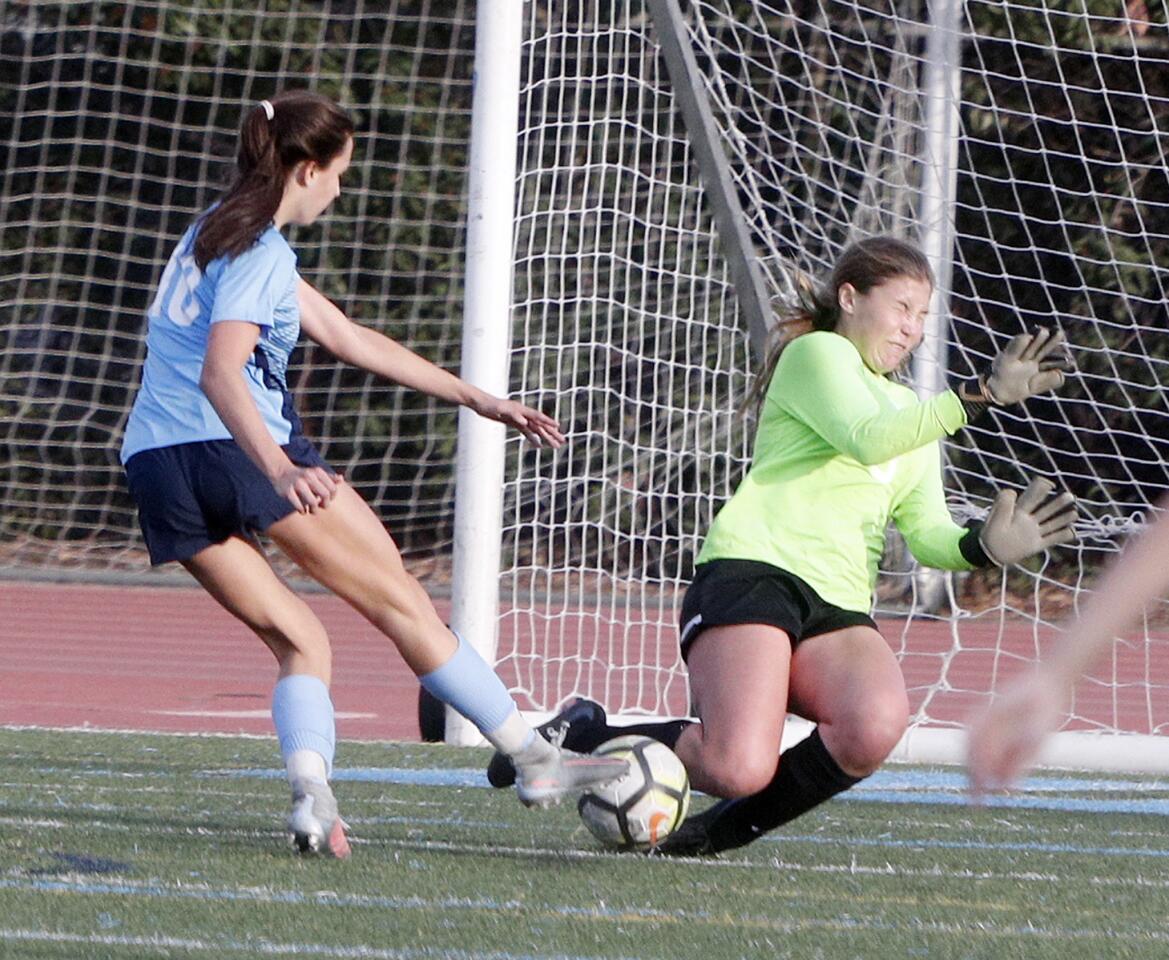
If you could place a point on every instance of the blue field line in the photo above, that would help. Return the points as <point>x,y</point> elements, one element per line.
<point>1013,801</point>
<point>895,777</point>
<point>942,787</point>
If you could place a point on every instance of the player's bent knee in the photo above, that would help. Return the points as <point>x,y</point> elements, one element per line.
<point>865,744</point>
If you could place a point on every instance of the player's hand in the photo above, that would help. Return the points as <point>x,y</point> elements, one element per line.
<point>1005,738</point>
<point>537,427</point>
<point>308,489</point>
<point>1019,525</point>
<point>1032,363</point>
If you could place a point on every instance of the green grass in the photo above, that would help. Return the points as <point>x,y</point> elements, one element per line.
<point>118,846</point>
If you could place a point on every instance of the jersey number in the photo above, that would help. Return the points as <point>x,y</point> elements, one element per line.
<point>175,299</point>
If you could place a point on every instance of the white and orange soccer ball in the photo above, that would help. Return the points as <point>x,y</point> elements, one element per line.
<point>642,808</point>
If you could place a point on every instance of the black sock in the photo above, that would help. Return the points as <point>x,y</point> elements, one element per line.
<point>587,737</point>
<point>807,776</point>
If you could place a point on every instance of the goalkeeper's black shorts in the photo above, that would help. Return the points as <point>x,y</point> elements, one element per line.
<point>727,593</point>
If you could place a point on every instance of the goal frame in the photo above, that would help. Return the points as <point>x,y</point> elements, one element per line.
<point>478,519</point>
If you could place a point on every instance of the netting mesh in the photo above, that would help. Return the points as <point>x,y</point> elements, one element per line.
<point>1058,219</point>
<point>630,328</point>
<point>119,123</point>
<point>121,126</point>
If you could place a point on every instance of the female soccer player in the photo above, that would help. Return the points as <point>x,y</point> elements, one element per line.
<point>214,454</point>
<point>1006,738</point>
<point>777,618</point>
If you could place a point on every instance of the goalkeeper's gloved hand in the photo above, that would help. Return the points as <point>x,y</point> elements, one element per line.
<point>1019,525</point>
<point>1032,363</point>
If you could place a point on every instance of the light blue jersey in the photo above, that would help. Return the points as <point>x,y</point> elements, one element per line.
<point>258,286</point>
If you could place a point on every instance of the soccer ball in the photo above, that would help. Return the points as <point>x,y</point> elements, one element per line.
<point>639,810</point>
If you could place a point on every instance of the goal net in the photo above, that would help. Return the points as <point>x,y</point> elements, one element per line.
<point>1044,130</point>
<point>119,127</point>
<point>1040,139</point>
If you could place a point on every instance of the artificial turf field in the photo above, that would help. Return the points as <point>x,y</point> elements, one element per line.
<point>132,845</point>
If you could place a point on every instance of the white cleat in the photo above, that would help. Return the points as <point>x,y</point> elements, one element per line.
<point>314,825</point>
<point>559,773</point>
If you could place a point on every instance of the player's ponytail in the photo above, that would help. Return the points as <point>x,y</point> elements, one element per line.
<point>275,136</point>
<point>864,265</point>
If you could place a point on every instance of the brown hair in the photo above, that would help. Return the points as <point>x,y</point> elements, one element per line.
<point>865,264</point>
<point>304,126</point>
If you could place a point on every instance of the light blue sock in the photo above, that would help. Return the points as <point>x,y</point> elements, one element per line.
<point>469,685</point>
<point>302,711</point>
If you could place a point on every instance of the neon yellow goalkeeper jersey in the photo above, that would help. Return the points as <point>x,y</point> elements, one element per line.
<point>840,451</point>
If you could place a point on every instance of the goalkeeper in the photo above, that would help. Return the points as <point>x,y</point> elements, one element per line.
<point>214,455</point>
<point>777,618</point>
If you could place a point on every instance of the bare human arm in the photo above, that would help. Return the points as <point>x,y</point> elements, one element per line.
<point>229,345</point>
<point>324,323</point>
<point>1005,738</point>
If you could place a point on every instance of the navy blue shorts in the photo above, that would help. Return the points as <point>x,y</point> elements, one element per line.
<point>726,593</point>
<point>192,495</point>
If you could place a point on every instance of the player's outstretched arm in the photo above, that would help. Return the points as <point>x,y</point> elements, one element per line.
<point>1020,525</point>
<point>324,323</point>
<point>1005,738</point>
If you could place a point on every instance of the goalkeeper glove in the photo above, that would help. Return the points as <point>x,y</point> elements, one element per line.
<point>1032,363</point>
<point>1019,525</point>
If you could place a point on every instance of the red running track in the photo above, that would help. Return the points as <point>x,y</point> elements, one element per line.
<point>170,659</point>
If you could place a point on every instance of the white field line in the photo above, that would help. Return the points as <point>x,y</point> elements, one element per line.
<point>219,945</point>
<point>737,921</point>
<point>776,864</point>
<point>116,827</point>
<point>247,714</point>
<point>1049,843</point>
<point>94,786</point>
<point>139,829</point>
<point>103,731</point>
<point>773,865</point>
